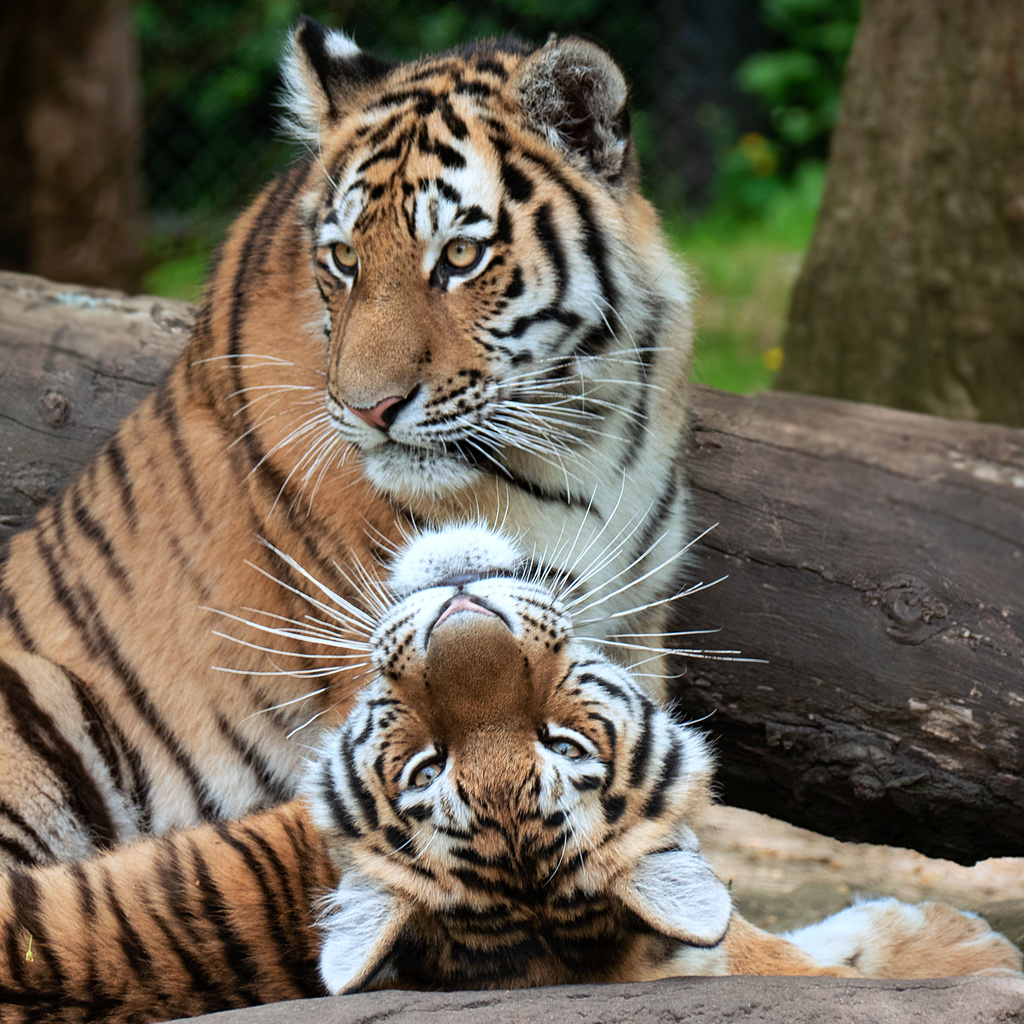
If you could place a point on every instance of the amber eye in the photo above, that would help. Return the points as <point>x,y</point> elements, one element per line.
<point>425,774</point>
<point>566,748</point>
<point>345,257</point>
<point>462,253</point>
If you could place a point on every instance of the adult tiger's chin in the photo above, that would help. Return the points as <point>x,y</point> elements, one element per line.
<point>416,474</point>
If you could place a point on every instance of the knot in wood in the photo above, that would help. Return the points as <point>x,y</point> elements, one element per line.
<point>912,612</point>
<point>54,408</point>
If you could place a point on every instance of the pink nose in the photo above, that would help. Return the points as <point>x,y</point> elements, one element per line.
<point>382,415</point>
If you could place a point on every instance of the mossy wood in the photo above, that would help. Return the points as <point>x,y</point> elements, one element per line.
<point>875,559</point>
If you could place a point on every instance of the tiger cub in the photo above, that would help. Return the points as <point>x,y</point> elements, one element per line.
<point>503,806</point>
<point>455,302</point>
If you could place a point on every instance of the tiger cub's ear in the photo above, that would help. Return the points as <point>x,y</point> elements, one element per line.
<point>321,69</point>
<point>361,925</point>
<point>676,893</point>
<point>574,94</point>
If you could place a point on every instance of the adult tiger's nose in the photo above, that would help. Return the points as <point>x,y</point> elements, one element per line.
<point>383,414</point>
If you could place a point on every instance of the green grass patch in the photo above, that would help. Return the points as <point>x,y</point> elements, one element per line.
<point>745,269</point>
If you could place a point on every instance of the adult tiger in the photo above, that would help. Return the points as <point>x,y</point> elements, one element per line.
<point>456,300</point>
<point>503,806</point>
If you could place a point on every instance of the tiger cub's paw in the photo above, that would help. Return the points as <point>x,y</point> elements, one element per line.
<point>887,939</point>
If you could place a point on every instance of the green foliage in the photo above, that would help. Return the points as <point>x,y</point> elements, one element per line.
<point>745,269</point>
<point>799,84</point>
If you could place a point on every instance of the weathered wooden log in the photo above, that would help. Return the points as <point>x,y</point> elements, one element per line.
<point>690,1000</point>
<point>875,561</point>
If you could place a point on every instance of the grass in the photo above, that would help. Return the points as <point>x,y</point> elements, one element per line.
<point>745,267</point>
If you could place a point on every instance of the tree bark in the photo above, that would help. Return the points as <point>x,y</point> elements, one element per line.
<point>875,561</point>
<point>70,142</point>
<point>912,292</point>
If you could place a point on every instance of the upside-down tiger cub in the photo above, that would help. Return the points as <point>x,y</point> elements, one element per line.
<point>455,302</point>
<point>503,806</point>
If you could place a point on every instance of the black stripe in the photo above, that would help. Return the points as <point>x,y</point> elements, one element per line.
<point>642,751</point>
<point>177,890</point>
<point>133,948</point>
<point>93,529</point>
<point>87,908</point>
<point>27,902</point>
<point>452,121</point>
<point>237,957</point>
<point>100,644</point>
<point>546,233</point>
<point>281,924</point>
<point>613,808</point>
<point>340,816</point>
<point>114,455</point>
<point>276,790</point>
<point>9,610</point>
<point>40,732</point>
<point>612,689</point>
<point>593,241</point>
<point>669,773</point>
<point>169,414</point>
<point>518,186</point>
<point>365,798</point>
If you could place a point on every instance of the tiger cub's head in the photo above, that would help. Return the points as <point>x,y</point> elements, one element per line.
<point>506,805</point>
<point>492,284</point>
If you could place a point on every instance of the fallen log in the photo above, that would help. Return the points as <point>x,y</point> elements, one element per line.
<point>693,1000</point>
<point>875,561</point>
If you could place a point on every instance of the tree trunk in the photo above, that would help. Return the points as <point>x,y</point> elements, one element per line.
<point>70,137</point>
<point>912,293</point>
<point>875,559</point>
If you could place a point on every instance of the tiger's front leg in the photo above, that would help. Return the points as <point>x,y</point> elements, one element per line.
<point>65,779</point>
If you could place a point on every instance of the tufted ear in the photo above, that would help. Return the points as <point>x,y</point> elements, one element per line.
<point>321,68</point>
<point>676,893</point>
<point>574,94</point>
<point>362,924</point>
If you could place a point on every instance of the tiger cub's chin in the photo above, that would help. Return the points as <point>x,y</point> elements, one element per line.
<point>509,807</point>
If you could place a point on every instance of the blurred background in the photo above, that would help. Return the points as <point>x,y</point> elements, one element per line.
<point>733,102</point>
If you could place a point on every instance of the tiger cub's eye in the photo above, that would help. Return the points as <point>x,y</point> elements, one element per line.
<point>345,257</point>
<point>461,253</point>
<point>566,748</point>
<point>426,774</point>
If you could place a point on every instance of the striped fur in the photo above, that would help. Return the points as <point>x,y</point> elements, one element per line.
<point>502,807</point>
<point>322,407</point>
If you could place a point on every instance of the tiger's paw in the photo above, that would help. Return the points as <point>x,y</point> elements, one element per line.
<point>884,938</point>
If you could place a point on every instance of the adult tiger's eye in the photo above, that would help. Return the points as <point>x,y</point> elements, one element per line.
<point>426,775</point>
<point>461,253</point>
<point>345,256</point>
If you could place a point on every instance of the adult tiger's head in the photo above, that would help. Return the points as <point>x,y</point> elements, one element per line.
<point>494,288</point>
<point>508,808</point>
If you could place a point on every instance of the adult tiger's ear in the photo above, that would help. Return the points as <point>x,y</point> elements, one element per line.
<point>574,94</point>
<point>362,923</point>
<point>676,893</point>
<point>321,69</point>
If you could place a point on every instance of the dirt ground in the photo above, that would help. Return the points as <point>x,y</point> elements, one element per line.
<point>783,877</point>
